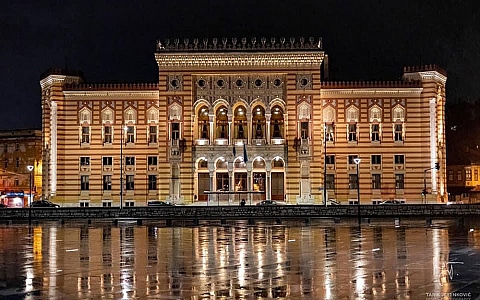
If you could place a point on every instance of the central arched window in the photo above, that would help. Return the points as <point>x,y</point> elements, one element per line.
<point>240,123</point>
<point>221,123</point>
<point>258,119</point>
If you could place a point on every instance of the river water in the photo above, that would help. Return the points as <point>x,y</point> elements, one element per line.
<point>383,259</point>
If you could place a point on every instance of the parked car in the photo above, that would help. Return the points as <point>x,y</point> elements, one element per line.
<point>390,202</point>
<point>43,203</point>
<point>333,202</point>
<point>160,203</point>
<point>267,203</point>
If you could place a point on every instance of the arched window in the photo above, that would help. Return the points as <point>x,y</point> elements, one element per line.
<point>277,122</point>
<point>152,115</point>
<point>107,115</point>
<point>352,114</point>
<point>240,123</point>
<point>130,116</point>
<point>375,114</point>
<point>328,114</point>
<point>221,123</point>
<point>398,114</point>
<point>258,119</point>
<point>85,116</point>
<point>203,123</point>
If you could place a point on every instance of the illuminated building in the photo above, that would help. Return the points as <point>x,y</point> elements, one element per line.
<point>220,102</point>
<point>18,149</point>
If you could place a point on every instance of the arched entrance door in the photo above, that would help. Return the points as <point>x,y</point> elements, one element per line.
<point>278,180</point>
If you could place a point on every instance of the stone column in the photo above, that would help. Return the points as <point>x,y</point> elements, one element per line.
<point>267,130</point>
<point>231,197</point>
<point>211,173</point>
<point>268,181</point>
<point>249,181</point>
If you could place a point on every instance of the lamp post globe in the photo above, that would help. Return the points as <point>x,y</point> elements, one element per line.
<point>357,161</point>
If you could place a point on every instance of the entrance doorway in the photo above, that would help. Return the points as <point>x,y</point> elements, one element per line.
<point>278,191</point>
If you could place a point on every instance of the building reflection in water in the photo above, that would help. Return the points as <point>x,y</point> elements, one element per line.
<point>321,261</point>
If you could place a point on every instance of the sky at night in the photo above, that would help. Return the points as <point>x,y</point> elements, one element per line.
<point>115,40</point>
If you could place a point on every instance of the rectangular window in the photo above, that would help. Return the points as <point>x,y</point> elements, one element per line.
<point>107,182</point>
<point>459,176</point>
<point>352,132</point>
<point>17,162</point>
<point>175,131</point>
<point>352,181</point>
<point>222,181</point>
<point>84,183</point>
<point>107,203</point>
<point>152,182</point>
<point>329,133</point>
<point>152,160</point>
<point>351,159</point>
<point>450,175</point>
<point>468,174</point>
<point>304,130</point>
<point>330,159</point>
<point>475,175</point>
<point>152,139</point>
<point>129,203</point>
<point>107,137</point>
<point>130,183</point>
<point>107,161</point>
<point>399,159</point>
<point>17,147</point>
<point>84,204</point>
<point>399,181</point>
<point>375,133</point>
<point>398,134</point>
<point>84,161</point>
<point>376,181</point>
<point>330,181</point>
<point>85,134</point>
<point>376,159</point>
<point>130,134</point>
<point>5,163</point>
<point>130,160</point>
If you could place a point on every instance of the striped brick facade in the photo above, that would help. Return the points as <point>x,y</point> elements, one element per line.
<point>215,96</point>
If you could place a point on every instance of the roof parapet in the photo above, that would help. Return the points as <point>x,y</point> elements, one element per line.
<point>371,84</point>
<point>60,71</point>
<point>242,44</point>
<point>111,86</point>
<point>424,68</point>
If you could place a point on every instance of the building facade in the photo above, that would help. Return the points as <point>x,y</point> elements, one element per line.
<point>18,150</point>
<point>243,115</point>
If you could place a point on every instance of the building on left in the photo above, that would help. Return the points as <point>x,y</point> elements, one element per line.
<point>20,149</point>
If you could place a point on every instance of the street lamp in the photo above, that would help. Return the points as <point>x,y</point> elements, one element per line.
<point>325,164</point>
<point>357,162</point>
<point>424,191</point>
<point>30,169</point>
<point>121,165</point>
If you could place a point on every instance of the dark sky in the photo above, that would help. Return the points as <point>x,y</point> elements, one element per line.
<point>115,40</point>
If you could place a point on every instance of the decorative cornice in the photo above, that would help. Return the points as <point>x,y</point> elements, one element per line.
<point>380,92</point>
<point>427,75</point>
<point>51,79</point>
<point>74,95</point>
<point>239,60</point>
<point>111,86</point>
<point>235,44</point>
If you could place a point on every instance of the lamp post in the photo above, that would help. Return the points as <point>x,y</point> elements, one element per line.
<point>357,162</point>
<point>30,170</point>
<point>424,191</point>
<point>124,128</point>
<point>325,164</point>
